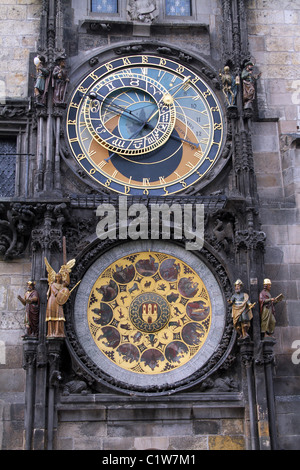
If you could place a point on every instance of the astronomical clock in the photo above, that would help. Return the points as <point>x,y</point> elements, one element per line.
<point>145,125</point>
<point>147,316</point>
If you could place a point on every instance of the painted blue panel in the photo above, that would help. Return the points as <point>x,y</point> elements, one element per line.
<point>105,6</point>
<point>178,7</point>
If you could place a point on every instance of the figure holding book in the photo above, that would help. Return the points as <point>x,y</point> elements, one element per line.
<point>267,309</point>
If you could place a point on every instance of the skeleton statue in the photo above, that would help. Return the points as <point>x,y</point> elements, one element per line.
<point>229,86</point>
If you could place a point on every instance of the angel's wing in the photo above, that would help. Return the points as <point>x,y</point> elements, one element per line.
<point>67,267</point>
<point>50,271</point>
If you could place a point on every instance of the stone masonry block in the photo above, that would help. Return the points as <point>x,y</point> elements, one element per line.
<point>266,17</point>
<point>279,44</point>
<point>116,443</point>
<point>148,414</point>
<point>189,443</point>
<point>226,443</point>
<point>207,426</point>
<point>266,162</point>
<point>142,443</point>
<point>152,429</point>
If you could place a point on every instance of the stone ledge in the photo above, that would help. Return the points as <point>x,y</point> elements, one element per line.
<point>106,399</point>
<point>184,408</point>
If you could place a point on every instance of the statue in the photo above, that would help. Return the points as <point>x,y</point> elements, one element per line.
<point>31,301</point>
<point>249,84</point>
<point>267,309</point>
<point>58,294</point>
<point>42,80</point>
<point>144,11</point>
<point>229,86</point>
<point>59,82</point>
<point>241,310</point>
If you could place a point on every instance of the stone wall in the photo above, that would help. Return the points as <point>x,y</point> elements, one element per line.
<point>19,25</point>
<point>13,278</point>
<point>186,423</point>
<point>274,39</point>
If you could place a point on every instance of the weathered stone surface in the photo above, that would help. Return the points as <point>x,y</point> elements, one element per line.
<point>18,21</point>
<point>226,443</point>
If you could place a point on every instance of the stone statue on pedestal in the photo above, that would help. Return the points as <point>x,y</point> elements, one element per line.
<point>31,301</point>
<point>58,294</point>
<point>241,310</point>
<point>267,309</point>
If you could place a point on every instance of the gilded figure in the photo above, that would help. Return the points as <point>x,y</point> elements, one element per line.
<point>241,310</point>
<point>57,296</point>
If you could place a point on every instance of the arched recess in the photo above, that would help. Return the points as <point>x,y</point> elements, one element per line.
<point>97,366</point>
<point>291,167</point>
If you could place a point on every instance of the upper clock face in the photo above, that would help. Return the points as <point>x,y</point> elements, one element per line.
<point>144,124</point>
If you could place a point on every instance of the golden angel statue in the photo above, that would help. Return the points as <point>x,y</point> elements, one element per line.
<point>57,295</point>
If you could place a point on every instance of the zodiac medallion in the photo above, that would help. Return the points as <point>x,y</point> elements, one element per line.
<point>149,312</point>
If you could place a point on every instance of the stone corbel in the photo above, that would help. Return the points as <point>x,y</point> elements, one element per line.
<point>16,223</point>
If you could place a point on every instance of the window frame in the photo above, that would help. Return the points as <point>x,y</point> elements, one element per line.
<point>192,6</point>
<point>13,137</point>
<point>114,14</point>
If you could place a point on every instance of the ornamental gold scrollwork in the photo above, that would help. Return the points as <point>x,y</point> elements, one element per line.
<point>149,312</point>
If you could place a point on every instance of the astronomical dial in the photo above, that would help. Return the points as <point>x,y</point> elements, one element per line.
<point>144,124</point>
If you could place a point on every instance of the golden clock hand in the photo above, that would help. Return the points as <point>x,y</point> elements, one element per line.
<point>197,145</point>
<point>168,97</point>
<point>152,115</point>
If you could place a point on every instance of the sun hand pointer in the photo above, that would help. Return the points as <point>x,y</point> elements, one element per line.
<point>168,97</point>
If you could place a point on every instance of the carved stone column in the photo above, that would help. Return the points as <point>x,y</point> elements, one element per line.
<point>246,351</point>
<point>29,356</point>
<point>54,346</point>
<point>268,360</point>
<point>46,242</point>
<point>50,46</point>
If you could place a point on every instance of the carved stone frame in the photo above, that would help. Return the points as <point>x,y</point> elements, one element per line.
<point>196,63</point>
<point>100,380</point>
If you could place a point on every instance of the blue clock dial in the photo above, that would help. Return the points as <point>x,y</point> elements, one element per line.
<point>144,124</point>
